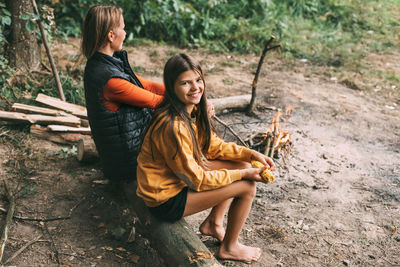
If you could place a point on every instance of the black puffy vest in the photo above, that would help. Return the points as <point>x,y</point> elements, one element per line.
<point>117,134</point>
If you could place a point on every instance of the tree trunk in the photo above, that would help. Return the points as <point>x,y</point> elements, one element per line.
<point>23,49</point>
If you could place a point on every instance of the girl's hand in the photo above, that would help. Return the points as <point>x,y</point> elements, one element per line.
<point>253,174</point>
<point>267,161</point>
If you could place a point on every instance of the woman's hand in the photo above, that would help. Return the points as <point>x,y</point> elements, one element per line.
<point>267,161</point>
<point>210,110</point>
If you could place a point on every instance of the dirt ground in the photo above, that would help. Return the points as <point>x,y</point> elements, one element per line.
<point>335,201</point>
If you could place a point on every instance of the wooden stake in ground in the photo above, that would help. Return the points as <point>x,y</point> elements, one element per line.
<point>46,46</point>
<point>260,62</point>
<point>7,223</point>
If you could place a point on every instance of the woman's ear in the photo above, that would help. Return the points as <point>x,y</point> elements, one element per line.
<point>110,36</point>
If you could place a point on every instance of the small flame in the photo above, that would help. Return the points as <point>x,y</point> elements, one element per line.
<point>279,137</point>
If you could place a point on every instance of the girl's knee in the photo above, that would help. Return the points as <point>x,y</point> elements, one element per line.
<point>251,188</point>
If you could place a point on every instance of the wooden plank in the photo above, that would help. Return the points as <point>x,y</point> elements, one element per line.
<point>39,119</point>
<point>59,138</point>
<point>76,110</point>
<point>239,101</point>
<point>69,129</point>
<point>34,109</point>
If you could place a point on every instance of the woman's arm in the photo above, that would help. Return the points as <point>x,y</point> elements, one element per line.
<point>156,88</point>
<point>118,91</point>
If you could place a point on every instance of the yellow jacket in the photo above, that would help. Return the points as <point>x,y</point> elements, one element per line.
<point>163,170</point>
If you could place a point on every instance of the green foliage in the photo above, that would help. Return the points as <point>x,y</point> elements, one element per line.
<point>47,19</point>
<point>336,33</point>
<point>5,20</point>
<point>323,31</point>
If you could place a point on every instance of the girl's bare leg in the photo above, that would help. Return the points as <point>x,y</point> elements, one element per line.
<point>213,225</point>
<point>243,193</point>
<point>230,247</point>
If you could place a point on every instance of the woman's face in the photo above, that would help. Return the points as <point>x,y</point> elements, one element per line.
<point>118,36</point>
<point>189,88</point>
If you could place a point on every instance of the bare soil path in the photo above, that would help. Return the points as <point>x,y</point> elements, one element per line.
<point>335,201</point>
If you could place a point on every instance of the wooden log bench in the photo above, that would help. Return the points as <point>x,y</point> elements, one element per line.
<point>175,242</point>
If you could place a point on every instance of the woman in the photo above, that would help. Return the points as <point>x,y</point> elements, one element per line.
<point>119,103</point>
<point>184,168</point>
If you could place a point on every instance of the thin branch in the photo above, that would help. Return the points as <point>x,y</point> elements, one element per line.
<point>260,62</point>
<point>53,245</point>
<point>19,251</point>
<point>21,218</point>
<point>8,221</point>
<point>231,130</point>
<point>46,46</point>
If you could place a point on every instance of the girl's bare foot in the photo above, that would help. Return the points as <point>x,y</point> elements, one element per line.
<point>239,252</point>
<point>210,229</point>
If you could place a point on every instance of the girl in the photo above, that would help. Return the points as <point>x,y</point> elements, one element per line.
<point>184,168</point>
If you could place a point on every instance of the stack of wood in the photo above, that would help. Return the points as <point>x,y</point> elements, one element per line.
<point>60,122</point>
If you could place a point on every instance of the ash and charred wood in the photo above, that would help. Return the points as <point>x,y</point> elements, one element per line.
<point>231,130</point>
<point>176,243</point>
<point>19,251</point>
<point>255,80</point>
<point>46,46</point>
<point>8,221</point>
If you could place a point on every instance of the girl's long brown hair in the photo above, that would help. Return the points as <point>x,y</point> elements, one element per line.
<point>99,21</point>
<point>175,109</point>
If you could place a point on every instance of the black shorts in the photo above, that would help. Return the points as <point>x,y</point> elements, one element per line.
<point>173,209</point>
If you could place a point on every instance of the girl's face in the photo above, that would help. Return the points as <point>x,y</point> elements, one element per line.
<point>118,36</point>
<point>189,88</point>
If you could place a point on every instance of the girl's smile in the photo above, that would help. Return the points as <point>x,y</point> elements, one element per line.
<point>189,88</point>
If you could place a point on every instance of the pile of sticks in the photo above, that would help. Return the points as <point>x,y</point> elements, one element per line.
<point>60,121</point>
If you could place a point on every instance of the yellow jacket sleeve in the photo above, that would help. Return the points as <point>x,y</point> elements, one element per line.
<point>182,163</point>
<point>219,149</point>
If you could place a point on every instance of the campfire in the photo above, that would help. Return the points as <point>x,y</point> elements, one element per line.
<point>274,140</point>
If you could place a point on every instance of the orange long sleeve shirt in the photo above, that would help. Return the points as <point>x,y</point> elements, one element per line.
<point>118,91</point>
<point>161,174</point>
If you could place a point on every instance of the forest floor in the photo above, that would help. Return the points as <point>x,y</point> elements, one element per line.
<point>335,201</point>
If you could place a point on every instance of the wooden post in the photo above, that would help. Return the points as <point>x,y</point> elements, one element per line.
<point>46,46</point>
<point>87,152</point>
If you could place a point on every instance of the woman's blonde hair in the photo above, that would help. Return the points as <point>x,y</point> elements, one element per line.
<point>99,21</point>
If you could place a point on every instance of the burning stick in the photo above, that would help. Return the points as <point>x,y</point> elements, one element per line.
<point>272,150</point>
<point>268,144</point>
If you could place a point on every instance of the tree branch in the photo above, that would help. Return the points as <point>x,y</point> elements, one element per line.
<point>10,213</point>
